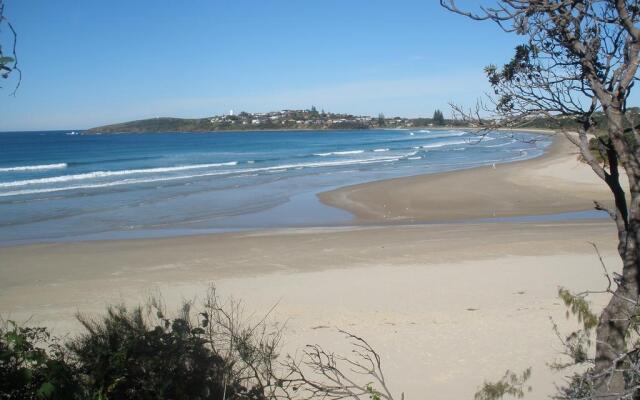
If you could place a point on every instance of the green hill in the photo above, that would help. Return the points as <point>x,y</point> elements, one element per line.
<point>158,125</point>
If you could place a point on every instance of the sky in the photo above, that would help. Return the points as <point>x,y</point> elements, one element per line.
<point>87,63</point>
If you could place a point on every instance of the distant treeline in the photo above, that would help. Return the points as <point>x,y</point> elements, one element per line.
<point>314,120</point>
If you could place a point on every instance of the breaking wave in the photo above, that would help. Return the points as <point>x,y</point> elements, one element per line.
<point>129,181</point>
<point>106,174</point>
<point>339,153</point>
<point>42,167</point>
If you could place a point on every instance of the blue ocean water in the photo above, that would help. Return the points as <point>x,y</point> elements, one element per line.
<point>65,186</point>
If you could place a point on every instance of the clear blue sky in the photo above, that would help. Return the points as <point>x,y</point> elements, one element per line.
<point>87,63</point>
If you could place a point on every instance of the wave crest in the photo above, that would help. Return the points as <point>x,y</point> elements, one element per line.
<point>42,167</point>
<point>128,181</point>
<point>339,153</point>
<point>106,174</point>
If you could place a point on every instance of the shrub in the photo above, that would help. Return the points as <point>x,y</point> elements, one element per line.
<point>33,365</point>
<point>124,356</point>
<point>212,353</point>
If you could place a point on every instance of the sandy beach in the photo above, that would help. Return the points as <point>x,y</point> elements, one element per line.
<point>556,182</point>
<point>447,305</point>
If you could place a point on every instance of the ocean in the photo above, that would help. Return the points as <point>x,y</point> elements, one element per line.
<point>61,186</point>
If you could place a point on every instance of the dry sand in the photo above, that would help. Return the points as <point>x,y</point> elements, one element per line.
<point>446,305</point>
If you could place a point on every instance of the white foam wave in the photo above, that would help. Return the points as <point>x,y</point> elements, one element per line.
<point>329,163</point>
<point>339,153</point>
<point>442,144</point>
<point>42,167</point>
<point>129,181</point>
<point>380,150</point>
<point>102,185</point>
<point>430,135</point>
<point>457,133</point>
<point>446,134</point>
<point>107,174</point>
<point>414,158</point>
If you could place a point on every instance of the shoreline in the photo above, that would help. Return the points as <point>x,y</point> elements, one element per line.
<point>446,305</point>
<point>283,214</point>
<point>553,183</point>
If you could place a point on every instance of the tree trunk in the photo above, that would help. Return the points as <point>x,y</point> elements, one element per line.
<point>616,317</point>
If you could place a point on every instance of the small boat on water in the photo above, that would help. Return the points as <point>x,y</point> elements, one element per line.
<point>72,133</point>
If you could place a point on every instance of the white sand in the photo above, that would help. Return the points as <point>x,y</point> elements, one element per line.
<point>447,306</point>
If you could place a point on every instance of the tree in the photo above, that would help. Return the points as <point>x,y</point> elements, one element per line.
<point>8,60</point>
<point>580,61</point>
<point>381,120</point>
<point>438,118</point>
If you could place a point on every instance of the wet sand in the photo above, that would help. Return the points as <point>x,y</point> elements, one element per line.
<point>556,182</point>
<point>447,305</point>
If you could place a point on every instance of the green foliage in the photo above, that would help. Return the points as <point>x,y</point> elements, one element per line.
<point>124,355</point>
<point>521,68</point>
<point>597,146</point>
<point>578,387</point>
<point>601,144</point>
<point>438,118</point>
<point>631,373</point>
<point>373,394</point>
<point>141,354</point>
<point>349,125</point>
<point>520,63</point>
<point>576,346</point>
<point>8,59</point>
<point>510,384</point>
<point>578,307</point>
<point>32,365</point>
